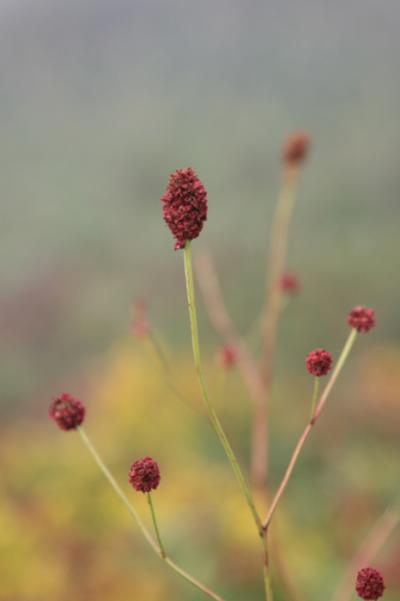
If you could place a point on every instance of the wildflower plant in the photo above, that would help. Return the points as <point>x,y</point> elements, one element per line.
<point>185,206</point>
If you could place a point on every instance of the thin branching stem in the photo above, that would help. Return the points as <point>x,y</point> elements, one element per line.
<point>214,418</point>
<point>155,524</point>
<point>204,390</point>
<point>299,446</point>
<point>157,547</point>
<point>314,397</point>
<point>166,372</point>
<point>89,445</point>
<point>211,290</point>
<point>273,302</point>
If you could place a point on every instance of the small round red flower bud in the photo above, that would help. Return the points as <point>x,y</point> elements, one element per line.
<point>289,283</point>
<point>319,362</point>
<point>227,356</point>
<point>296,149</point>
<point>144,474</point>
<point>361,319</point>
<point>67,411</point>
<point>140,327</point>
<point>184,205</point>
<point>369,584</point>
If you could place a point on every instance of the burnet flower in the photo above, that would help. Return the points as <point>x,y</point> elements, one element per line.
<point>296,149</point>
<point>369,584</point>
<point>227,356</point>
<point>319,362</point>
<point>144,474</point>
<point>361,319</point>
<point>184,205</point>
<point>289,283</point>
<point>67,411</point>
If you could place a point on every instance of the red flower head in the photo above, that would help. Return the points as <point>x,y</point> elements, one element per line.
<point>369,584</point>
<point>184,205</point>
<point>290,283</point>
<point>67,411</point>
<point>226,356</point>
<point>144,474</point>
<point>296,149</point>
<point>361,319</point>
<point>319,362</point>
<point>140,327</point>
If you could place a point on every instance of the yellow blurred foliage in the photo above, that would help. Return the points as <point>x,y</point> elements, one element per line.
<point>65,536</point>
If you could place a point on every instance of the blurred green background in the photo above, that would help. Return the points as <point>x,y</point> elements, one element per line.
<point>100,100</point>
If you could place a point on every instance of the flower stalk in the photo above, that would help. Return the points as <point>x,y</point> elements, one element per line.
<point>155,524</point>
<point>314,398</point>
<point>246,362</point>
<point>321,403</point>
<point>203,386</point>
<point>267,570</point>
<point>274,298</point>
<point>88,444</point>
<point>276,268</point>
<point>217,424</point>
<point>156,546</point>
<point>166,372</point>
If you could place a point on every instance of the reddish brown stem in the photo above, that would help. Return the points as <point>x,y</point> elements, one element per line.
<point>276,268</point>
<point>220,319</point>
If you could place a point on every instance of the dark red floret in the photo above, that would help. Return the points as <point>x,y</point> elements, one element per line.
<point>290,283</point>
<point>144,474</point>
<point>67,411</point>
<point>361,318</point>
<point>369,584</point>
<point>227,356</point>
<point>319,362</point>
<point>184,205</point>
<point>296,149</point>
<point>140,326</point>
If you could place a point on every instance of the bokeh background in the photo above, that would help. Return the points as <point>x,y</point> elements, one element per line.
<point>100,100</point>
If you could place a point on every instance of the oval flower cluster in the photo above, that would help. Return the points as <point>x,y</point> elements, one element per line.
<point>227,356</point>
<point>289,283</point>
<point>296,149</point>
<point>184,205</point>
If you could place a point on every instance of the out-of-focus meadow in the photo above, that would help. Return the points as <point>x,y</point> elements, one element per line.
<point>100,101</point>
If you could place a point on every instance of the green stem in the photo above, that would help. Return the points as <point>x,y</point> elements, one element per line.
<point>222,384</point>
<point>314,397</point>
<point>157,548</point>
<point>159,351</point>
<point>192,580</point>
<point>166,369</point>
<point>118,489</point>
<point>155,524</point>
<point>268,585</point>
<point>210,410</point>
<point>267,572</point>
<point>338,368</point>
